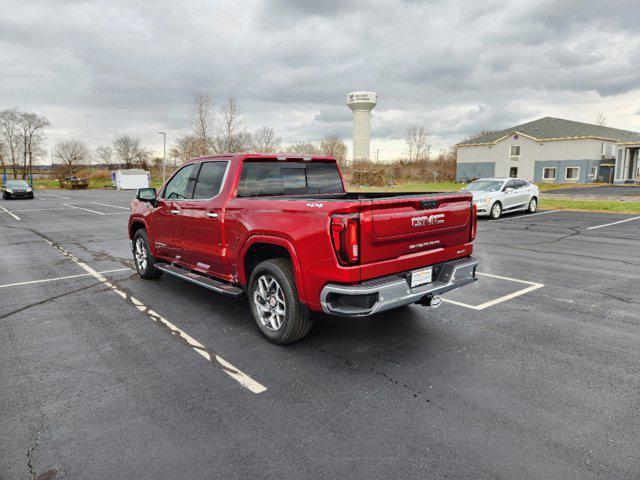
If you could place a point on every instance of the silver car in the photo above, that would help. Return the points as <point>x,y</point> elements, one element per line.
<point>495,196</point>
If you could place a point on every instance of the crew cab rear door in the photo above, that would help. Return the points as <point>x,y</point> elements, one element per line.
<point>202,216</point>
<point>405,225</point>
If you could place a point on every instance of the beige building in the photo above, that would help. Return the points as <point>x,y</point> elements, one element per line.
<point>553,150</point>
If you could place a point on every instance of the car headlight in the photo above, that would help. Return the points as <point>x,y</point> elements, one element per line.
<point>8,190</point>
<point>483,201</point>
<point>28,189</point>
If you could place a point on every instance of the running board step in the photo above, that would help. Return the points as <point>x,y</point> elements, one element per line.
<point>202,280</point>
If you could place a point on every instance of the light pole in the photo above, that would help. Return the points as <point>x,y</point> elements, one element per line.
<point>164,155</point>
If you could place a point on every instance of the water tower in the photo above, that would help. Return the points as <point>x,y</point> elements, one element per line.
<point>361,103</point>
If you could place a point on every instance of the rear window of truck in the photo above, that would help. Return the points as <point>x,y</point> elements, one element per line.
<point>288,178</point>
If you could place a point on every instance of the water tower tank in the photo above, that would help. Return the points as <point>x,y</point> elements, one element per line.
<point>362,103</point>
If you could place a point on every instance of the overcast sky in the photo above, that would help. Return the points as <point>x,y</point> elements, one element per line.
<point>100,68</point>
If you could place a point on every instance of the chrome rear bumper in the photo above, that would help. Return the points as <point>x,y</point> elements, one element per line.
<point>385,293</point>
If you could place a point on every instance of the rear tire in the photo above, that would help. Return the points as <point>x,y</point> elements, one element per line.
<point>276,308</point>
<point>496,211</point>
<point>533,205</point>
<point>144,261</point>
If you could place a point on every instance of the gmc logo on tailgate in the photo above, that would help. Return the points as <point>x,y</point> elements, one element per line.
<point>427,220</point>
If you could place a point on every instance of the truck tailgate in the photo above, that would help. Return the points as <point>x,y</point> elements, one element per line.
<point>398,226</point>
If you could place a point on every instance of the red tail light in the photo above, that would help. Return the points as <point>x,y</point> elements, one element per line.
<point>474,222</point>
<point>345,234</point>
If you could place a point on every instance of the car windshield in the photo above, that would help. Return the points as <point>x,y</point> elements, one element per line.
<point>484,186</point>
<point>16,183</point>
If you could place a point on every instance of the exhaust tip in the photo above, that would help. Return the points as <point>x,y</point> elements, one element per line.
<point>433,301</point>
<point>436,301</point>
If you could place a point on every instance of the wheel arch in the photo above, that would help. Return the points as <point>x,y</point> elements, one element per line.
<point>260,248</point>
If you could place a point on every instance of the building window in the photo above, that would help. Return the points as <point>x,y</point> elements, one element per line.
<point>549,173</point>
<point>594,172</point>
<point>513,172</point>
<point>514,151</point>
<point>572,173</point>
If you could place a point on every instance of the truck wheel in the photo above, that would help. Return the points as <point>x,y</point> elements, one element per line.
<point>145,263</point>
<point>275,304</point>
<point>533,205</point>
<point>496,210</point>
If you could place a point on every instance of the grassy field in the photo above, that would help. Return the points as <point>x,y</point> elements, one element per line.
<point>610,206</point>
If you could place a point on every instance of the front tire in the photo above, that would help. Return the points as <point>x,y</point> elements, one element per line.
<point>276,308</point>
<point>533,205</point>
<point>144,261</point>
<point>496,211</point>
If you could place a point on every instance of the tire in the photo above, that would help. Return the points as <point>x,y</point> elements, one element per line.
<point>272,289</point>
<point>496,211</point>
<point>533,205</point>
<point>4,196</point>
<point>142,258</point>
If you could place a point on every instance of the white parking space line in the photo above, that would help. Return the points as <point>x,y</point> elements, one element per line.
<point>47,280</point>
<point>525,215</point>
<point>242,378</point>
<point>532,286</point>
<point>613,223</point>
<point>52,195</point>
<point>81,208</point>
<point>40,209</point>
<point>109,205</point>
<point>12,214</point>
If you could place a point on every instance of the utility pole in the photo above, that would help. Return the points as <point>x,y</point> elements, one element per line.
<point>164,156</point>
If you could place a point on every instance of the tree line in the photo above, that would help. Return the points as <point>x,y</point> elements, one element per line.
<point>224,130</point>
<point>22,138</point>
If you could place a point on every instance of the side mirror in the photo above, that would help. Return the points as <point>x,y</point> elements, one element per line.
<point>508,190</point>
<point>147,195</point>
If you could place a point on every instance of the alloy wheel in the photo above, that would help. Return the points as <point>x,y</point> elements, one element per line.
<point>270,302</point>
<point>496,210</point>
<point>141,254</point>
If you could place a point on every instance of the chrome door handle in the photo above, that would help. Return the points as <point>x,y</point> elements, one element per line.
<point>211,215</point>
<point>175,212</point>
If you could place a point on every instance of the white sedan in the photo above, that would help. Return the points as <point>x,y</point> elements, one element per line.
<point>495,196</point>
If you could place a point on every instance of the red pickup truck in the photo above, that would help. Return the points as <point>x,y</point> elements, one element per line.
<point>283,230</point>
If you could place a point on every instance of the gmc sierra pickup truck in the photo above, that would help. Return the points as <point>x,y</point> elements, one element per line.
<point>283,230</point>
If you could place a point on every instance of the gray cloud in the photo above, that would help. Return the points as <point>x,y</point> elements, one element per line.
<point>99,68</point>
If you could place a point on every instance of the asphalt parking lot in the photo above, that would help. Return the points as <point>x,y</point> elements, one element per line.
<point>531,372</point>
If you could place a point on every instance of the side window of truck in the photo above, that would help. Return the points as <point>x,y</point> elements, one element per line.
<point>178,186</point>
<point>209,180</point>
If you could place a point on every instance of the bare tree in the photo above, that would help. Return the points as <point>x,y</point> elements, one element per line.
<point>126,149</point>
<point>601,120</point>
<point>72,154</point>
<point>185,148</point>
<point>31,131</point>
<point>104,155</point>
<point>335,147</point>
<point>202,123</point>
<point>143,158</point>
<point>309,148</point>
<point>10,131</point>
<point>265,141</point>
<point>417,140</point>
<point>232,135</point>
<point>3,155</point>
<point>478,134</point>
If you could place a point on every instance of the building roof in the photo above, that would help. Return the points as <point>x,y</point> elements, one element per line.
<point>550,128</point>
